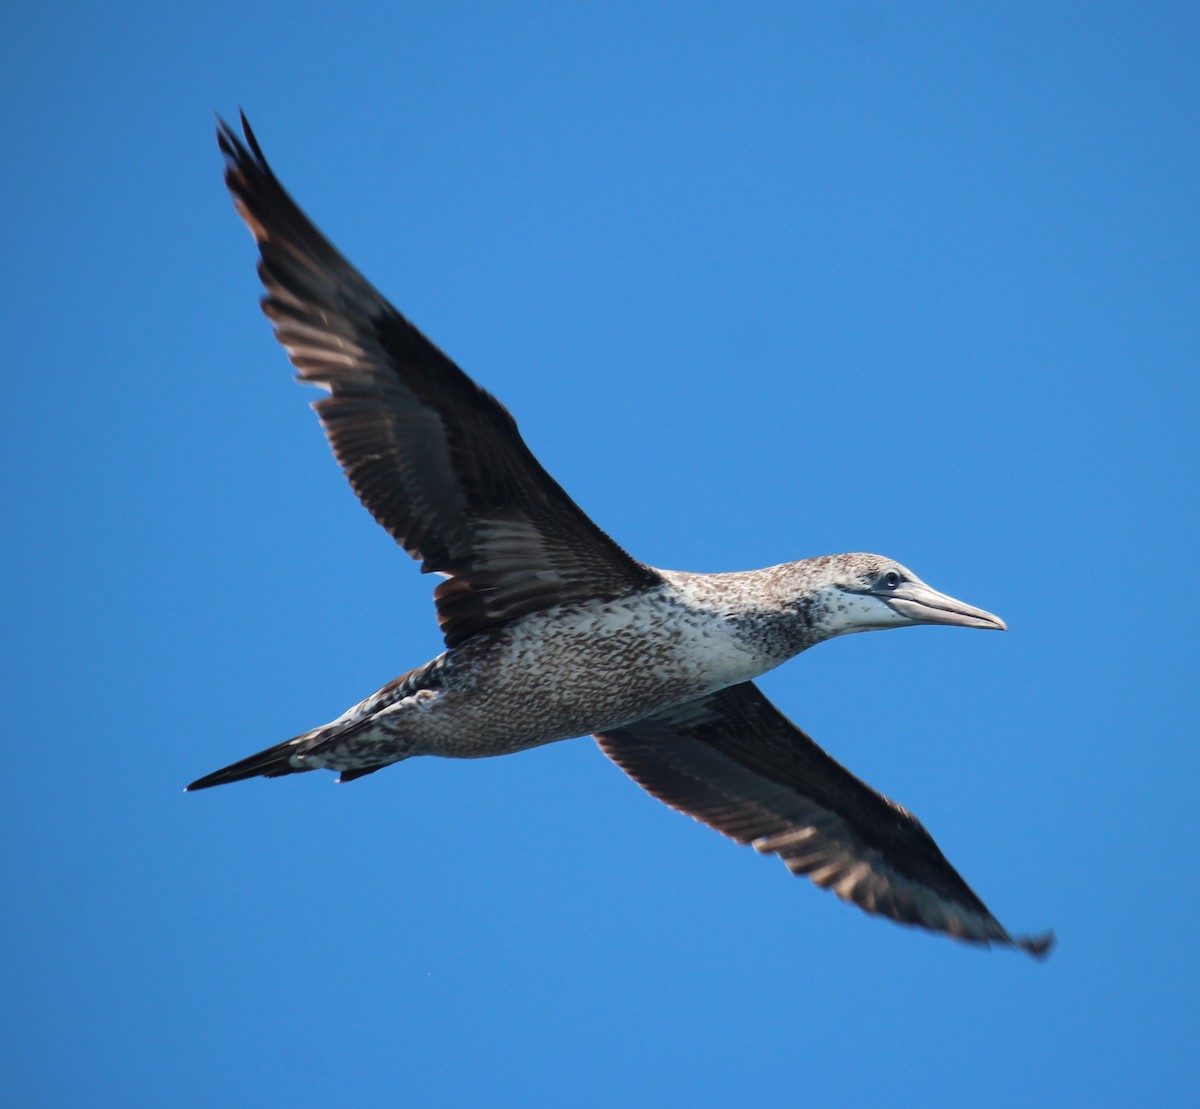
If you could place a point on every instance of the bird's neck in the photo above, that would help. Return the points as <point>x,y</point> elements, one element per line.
<point>783,609</point>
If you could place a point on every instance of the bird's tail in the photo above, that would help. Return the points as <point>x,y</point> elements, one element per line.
<point>290,756</point>
<point>274,762</point>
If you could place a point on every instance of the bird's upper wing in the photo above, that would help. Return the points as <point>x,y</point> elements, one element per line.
<point>733,761</point>
<point>436,459</point>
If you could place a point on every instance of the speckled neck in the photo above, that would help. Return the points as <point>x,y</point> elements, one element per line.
<point>779,610</point>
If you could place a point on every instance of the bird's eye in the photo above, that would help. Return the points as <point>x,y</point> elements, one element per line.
<point>890,580</point>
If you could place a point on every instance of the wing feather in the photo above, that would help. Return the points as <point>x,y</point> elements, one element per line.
<point>734,762</point>
<point>437,461</point>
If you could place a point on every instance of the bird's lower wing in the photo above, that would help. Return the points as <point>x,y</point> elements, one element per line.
<point>734,762</point>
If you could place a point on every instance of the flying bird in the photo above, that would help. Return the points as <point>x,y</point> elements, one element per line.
<point>553,631</point>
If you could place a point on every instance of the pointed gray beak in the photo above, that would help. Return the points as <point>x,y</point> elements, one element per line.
<point>916,601</point>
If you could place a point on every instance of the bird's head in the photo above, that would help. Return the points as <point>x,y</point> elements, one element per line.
<point>865,592</point>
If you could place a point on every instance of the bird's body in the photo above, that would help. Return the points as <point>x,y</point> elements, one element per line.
<point>581,667</point>
<point>553,631</point>
<point>570,670</point>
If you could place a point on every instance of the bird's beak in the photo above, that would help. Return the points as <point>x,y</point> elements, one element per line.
<point>916,601</point>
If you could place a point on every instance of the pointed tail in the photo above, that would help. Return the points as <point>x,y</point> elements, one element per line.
<point>274,762</point>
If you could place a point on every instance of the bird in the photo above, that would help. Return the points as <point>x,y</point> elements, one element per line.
<point>553,631</point>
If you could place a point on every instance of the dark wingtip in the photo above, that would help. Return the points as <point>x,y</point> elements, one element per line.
<point>251,140</point>
<point>1038,946</point>
<point>238,148</point>
<point>227,138</point>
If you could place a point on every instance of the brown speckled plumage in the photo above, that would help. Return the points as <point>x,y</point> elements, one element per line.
<point>553,631</point>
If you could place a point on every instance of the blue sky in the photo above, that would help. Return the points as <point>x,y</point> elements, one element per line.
<point>759,282</point>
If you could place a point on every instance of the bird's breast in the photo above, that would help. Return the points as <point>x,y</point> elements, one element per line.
<point>595,665</point>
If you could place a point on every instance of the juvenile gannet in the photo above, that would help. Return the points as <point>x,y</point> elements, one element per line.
<point>553,631</point>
